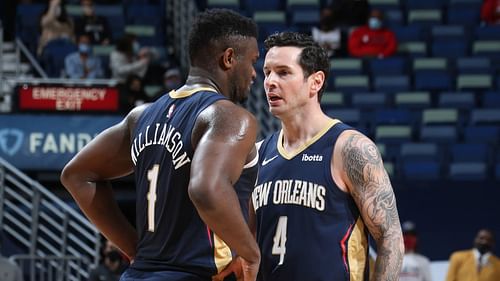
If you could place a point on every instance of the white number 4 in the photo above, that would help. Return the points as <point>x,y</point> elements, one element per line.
<point>280,239</point>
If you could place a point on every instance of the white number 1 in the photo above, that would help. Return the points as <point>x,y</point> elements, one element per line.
<point>153,179</point>
<point>280,239</point>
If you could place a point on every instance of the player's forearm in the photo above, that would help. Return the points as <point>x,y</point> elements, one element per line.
<point>220,210</point>
<point>97,203</point>
<point>390,253</point>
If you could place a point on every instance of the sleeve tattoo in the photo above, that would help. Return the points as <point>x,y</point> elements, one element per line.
<point>372,191</point>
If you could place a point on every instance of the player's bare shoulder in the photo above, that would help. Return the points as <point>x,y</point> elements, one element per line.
<point>133,116</point>
<point>226,118</point>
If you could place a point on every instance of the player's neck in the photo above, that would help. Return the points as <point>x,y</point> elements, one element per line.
<point>301,128</point>
<point>199,77</point>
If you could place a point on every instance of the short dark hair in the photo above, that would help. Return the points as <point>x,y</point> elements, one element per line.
<point>312,58</point>
<point>213,30</point>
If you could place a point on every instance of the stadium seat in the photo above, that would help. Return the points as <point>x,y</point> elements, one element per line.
<point>227,4</point>
<point>484,48</point>
<point>346,66</point>
<point>371,100</point>
<point>269,22</point>
<point>487,32</point>
<point>429,80</point>
<point>438,133</point>
<point>474,82</point>
<point>437,64</point>
<point>491,100</point>
<point>415,100</point>
<point>392,117</point>
<point>425,4</point>
<point>482,134</point>
<point>391,83</point>
<point>449,32</point>
<point>393,17</point>
<point>408,33</point>
<point>462,15</point>
<point>473,65</point>
<point>413,48</point>
<point>268,5</point>
<point>351,83</point>
<point>331,100</point>
<point>424,17</point>
<point>470,152</point>
<point>458,100</point>
<point>388,66</point>
<point>449,48</point>
<point>440,116</point>
<point>420,151</point>
<point>468,171</point>
<point>393,134</point>
<point>421,170</point>
<point>351,117</point>
<point>304,20</point>
<point>485,116</point>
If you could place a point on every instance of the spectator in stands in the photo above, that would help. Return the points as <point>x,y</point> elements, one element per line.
<point>129,58</point>
<point>490,12</point>
<point>132,93</point>
<point>9,271</point>
<point>55,24</point>
<point>82,64</point>
<point>172,79</point>
<point>112,265</point>
<point>96,27</point>
<point>416,267</point>
<point>328,35</point>
<point>478,263</point>
<point>373,39</point>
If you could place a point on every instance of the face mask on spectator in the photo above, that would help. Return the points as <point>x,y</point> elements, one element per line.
<point>375,23</point>
<point>136,47</point>
<point>84,48</point>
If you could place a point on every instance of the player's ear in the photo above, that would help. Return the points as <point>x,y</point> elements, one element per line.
<point>227,59</point>
<point>317,79</point>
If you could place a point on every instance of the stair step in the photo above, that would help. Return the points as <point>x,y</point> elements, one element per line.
<point>13,67</point>
<point>8,46</point>
<point>9,57</point>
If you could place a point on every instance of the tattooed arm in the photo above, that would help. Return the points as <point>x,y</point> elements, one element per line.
<point>364,176</point>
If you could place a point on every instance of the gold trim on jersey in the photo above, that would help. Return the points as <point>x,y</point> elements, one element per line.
<point>222,254</point>
<point>357,247</point>
<point>182,94</point>
<point>289,156</point>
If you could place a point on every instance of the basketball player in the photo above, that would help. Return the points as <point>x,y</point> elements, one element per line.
<point>186,151</point>
<point>321,185</point>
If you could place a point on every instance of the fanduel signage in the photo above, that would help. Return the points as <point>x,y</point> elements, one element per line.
<point>47,142</point>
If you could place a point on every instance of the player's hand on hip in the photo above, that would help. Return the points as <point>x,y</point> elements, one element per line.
<point>242,269</point>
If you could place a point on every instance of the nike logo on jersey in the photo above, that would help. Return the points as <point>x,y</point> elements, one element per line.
<point>266,161</point>
<point>315,158</point>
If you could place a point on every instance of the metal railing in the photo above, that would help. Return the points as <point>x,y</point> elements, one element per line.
<point>53,268</point>
<point>41,224</point>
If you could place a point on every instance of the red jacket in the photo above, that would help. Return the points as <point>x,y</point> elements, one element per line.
<point>490,11</point>
<point>366,42</point>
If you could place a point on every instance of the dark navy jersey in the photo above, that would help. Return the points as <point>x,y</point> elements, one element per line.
<point>172,235</point>
<point>307,228</point>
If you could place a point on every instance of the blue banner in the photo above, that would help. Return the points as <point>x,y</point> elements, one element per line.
<point>47,142</point>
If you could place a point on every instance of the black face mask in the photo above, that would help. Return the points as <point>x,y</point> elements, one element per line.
<point>483,248</point>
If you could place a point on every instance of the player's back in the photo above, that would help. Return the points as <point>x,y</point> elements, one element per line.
<point>307,228</point>
<point>172,236</point>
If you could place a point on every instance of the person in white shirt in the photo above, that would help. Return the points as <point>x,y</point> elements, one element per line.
<point>416,267</point>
